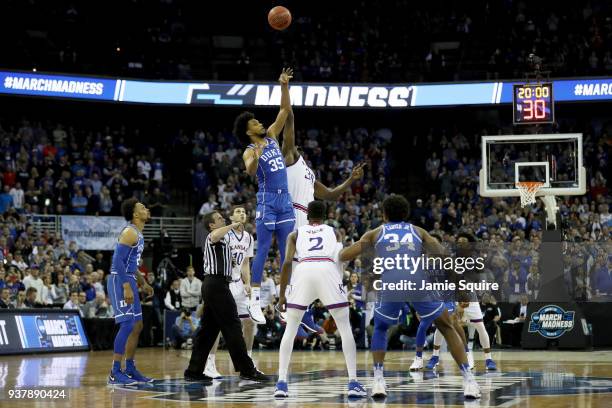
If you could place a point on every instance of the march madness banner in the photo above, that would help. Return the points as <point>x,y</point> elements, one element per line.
<point>92,233</point>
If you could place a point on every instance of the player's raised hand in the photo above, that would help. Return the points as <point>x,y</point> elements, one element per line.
<point>285,76</point>
<point>357,173</point>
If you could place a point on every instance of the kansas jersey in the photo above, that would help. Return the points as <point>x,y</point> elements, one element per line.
<point>241,246</point>
<point>316,243</point>
<point>271,171</point>
<point>301,186</point>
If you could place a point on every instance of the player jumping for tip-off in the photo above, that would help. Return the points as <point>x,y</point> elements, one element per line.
<point>263,158</point>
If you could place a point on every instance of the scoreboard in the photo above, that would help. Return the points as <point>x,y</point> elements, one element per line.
<point>533,103</point>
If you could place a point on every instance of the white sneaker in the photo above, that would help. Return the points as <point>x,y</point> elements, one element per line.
<point>211,369</point>
<point>379,388</point>
<point>417,364</point>
<point>255,313</point>
<point>471,390</point>
<point>470,358</point>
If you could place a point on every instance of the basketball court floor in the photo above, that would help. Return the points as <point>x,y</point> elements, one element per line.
<point>524,379</point>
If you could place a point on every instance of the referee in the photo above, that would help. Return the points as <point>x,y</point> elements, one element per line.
<point>220,313</point>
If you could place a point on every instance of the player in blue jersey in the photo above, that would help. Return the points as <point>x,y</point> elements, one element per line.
<point>263,158</point>
<point>398,238</point>
<point>123,292</point>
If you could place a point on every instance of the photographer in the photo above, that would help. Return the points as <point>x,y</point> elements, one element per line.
<point>184,328</point>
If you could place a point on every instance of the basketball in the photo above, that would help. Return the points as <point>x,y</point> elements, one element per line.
<point>279,18</point>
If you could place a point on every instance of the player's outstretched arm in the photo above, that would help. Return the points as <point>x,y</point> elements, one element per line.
<point>332,194</point>
<point>285,105</point>
<point>218,234</point>
<point>290,153</point>
<point>286,271</point>
<point>353,251</point>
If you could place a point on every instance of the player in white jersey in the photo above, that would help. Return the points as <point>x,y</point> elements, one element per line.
<point>303,188</point>
<point>302,182</point>
<point>242,245</point>
<point>315,277</point>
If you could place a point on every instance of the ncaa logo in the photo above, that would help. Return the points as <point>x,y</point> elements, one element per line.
<point>551,321</point>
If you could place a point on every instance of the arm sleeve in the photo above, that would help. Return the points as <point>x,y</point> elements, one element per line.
<point>120,257</point>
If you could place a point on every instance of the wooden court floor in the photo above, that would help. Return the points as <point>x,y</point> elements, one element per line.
<point>534,379</point>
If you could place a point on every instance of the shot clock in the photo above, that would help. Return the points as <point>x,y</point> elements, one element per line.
<point>533,103</point>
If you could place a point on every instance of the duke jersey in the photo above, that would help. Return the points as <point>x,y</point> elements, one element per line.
<point>271,170</point>
<point>401,238</point>
<point>316,243</point>
<point>301,188</point>
<point>241,246</point>
<point>134,255</point>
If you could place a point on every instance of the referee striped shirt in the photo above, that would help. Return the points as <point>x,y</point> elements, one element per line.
<point>217,257</point>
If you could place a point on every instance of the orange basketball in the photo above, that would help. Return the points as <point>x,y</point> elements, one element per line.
<point>279,18</point>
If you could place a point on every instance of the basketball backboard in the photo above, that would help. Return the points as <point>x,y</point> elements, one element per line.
<point>552,159</point>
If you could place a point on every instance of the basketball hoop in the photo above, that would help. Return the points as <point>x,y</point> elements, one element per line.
<point>528,191</point>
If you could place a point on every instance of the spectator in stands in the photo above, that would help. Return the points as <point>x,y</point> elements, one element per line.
<point>19,262</point>
<point>49,296</point>
<point>157,203</point>
<point>98,308</point>
<point>5,299</point>
<point>79,202</point>
<point>184,328</point>
<point>6,199</point>
<point>520,309</point>
<point>61,289</point>
<point>18,196</point>
<point>34,281</point>
<point>96,278</point>
<point>602,275</point>
<point>31,298</point>
<point>200,183</point>
<point>191,290</point>
<point>173,296</point>
<point>73,302</point>
<point>20,300</point>
<point>82,299</point>
<point>209,205</point>
<point>106,202</point>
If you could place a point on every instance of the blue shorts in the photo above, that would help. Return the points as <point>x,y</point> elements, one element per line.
<point>450,306</point>
<point>274,209</point>
<point>390,311</point>
<point>122,310</point>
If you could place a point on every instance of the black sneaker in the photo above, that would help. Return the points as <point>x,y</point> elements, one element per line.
<point>197,377</point>
<point>255,375</point>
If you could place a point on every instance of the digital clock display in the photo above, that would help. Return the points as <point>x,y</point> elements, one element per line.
<point>533,104</point>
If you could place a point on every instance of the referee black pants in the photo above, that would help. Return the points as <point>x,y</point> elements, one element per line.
<point>220,314</point>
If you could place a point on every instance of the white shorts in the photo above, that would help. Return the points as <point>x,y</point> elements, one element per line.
<point>240,297</point>
<point>472,313</point>
<point>316,280</point>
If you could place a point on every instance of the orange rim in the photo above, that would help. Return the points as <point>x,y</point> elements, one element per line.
<point>529,185</point>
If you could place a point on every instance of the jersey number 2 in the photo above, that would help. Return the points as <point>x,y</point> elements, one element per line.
<point>318,246</point>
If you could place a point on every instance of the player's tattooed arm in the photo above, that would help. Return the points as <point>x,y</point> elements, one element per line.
<point>285,105</point>
<point>332,194</point>
<point>353,251</point>
<point>286,271</point>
